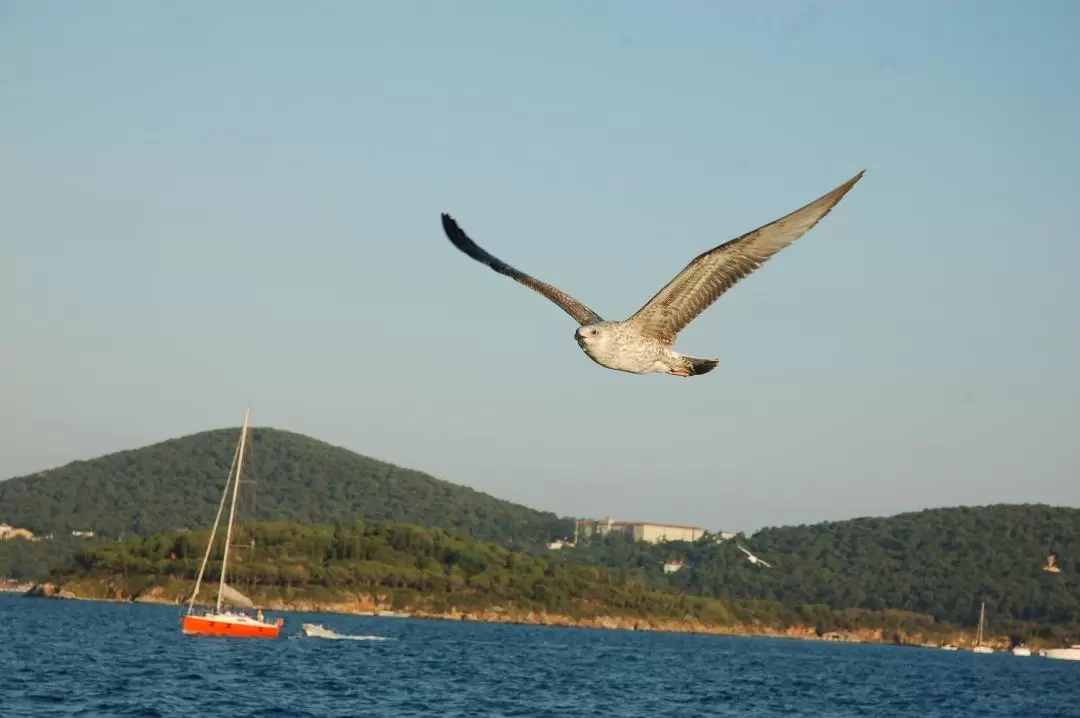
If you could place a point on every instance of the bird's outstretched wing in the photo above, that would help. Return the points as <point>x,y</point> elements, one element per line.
<point>571,306</point>
<point>764,563</point>
<point>714,272</point>
<point>744,550</point>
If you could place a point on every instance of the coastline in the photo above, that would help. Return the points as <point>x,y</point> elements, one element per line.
<point>367,605</point>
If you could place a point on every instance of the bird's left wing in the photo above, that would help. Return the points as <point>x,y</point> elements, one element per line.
<point>571,306</point>
<point>714,272</point>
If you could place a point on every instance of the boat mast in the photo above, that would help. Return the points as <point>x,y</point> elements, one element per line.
<point>213,531</point>
<point>982,615</point>
<point>232,509</point>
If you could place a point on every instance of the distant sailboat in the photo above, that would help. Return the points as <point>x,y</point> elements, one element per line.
<point>218,622</point>
<point>979,647</point>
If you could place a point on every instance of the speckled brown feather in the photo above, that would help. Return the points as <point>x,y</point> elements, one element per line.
<point>714,272</point>
<point>571,306</point>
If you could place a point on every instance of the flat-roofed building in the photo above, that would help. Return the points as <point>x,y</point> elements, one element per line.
<point>640,530</point>
<point>657,533</point>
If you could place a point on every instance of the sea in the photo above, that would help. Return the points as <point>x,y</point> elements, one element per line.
<point>76,658</point>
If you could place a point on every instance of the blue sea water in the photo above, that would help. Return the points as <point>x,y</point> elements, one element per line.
<point>70,658</point>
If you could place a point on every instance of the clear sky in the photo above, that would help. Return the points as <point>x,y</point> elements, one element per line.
<point>207,205</point>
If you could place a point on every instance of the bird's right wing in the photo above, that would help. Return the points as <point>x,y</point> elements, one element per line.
<point>571,306</point>
<point>744,550</point>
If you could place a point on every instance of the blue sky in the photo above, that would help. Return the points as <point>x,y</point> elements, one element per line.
<point>208,205</point>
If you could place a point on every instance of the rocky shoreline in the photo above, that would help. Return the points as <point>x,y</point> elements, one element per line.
<point>364,605</point>
<point>49,590</point>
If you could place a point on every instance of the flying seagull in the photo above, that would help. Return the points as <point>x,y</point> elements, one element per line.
<point>644,343</point>
<point>752,558</point>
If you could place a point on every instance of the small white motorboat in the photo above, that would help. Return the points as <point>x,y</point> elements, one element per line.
<point>317,630</point>
<point>1072,653</point>
<point>1021,650</point>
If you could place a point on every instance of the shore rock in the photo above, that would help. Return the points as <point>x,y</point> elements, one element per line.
<point>155,595</point>
<point>49,590</point>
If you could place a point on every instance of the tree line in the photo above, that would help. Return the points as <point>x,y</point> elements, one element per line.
<point>441,569</point>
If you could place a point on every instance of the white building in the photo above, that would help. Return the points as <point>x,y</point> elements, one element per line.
<point>640,530</point>
<point>673,566</point>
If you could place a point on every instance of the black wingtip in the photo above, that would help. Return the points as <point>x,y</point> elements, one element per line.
<point>455,234</point>
<point>701,366</point>
<point>464,243</point>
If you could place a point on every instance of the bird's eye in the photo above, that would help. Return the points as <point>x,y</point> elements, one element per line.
<point>594,332</point>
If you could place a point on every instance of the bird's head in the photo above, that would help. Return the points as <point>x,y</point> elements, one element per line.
<point>593,335</point>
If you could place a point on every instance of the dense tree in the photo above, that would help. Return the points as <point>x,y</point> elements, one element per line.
<point>24,560</point>
<point>938,562</point>
<point>435,568</point>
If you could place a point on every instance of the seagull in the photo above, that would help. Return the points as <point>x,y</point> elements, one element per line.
<point>644,343</point>
<point>754,559</point>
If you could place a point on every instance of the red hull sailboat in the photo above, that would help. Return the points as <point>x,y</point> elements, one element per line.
<point>218,622</point>
<point>228,623</point>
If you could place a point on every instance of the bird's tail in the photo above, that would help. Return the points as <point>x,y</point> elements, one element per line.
<point>697,365</point>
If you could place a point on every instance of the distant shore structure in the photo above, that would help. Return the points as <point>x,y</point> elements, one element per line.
<point>641,530</point>
<point>673,566</point>
<point>9,532</point>
<point>1051,564</point>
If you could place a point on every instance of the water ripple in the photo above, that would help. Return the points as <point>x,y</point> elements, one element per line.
<point>60,658</point>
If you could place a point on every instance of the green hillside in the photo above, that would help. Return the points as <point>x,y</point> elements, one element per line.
<point>177,484</point>
<point>940,562</point>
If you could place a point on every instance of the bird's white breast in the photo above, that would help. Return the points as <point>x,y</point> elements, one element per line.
<point>625,350</point>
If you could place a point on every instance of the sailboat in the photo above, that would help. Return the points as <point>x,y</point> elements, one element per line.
<point>979,647</point>
<point>218,622</point>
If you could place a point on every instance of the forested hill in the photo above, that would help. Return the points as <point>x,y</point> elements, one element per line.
<point>941,562</point>
<point>177,484</point>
